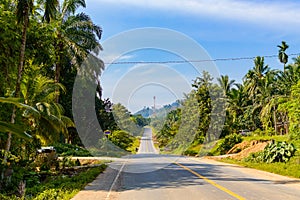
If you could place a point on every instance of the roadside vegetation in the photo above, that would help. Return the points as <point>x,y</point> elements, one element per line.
<point>43,44</point>
<point>261,117</point>
<point>57,186</point>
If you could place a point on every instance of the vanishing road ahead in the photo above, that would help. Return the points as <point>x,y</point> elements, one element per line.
<point>149,175</point>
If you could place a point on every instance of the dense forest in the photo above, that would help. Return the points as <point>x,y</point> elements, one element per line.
<point>266,102</point>
<point>43,44</point>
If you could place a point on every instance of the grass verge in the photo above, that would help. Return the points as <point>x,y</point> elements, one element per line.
<point>60,187</point>
<point>291,168</point>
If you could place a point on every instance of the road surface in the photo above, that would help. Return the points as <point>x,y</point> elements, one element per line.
<point>147,146</point>
<point>149,175</point>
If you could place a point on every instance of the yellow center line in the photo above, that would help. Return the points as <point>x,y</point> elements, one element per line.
<point>211,182</point>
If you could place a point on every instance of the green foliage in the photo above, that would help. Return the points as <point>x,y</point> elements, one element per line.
<point>47,161</point>
<point>227,143</point>
<point>170,128</point>
<point>140,120</point>
<point>293,108</point>
<point>122,139</point>
<point>278,152</point>
<point>63,187</point>
<point>125,121</point>
<point>290,168</point>
<point>70,150</point>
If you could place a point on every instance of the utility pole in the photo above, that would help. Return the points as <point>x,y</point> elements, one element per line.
<point>154,98</point>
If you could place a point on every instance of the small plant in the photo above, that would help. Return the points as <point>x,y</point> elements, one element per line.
<point>278,152</point>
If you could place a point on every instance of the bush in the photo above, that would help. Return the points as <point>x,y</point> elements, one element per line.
<point>273,152</point>
<point>278,152</point>
<point>63,187</point>
<point>227,143</point>
<point>190,152</point>
<point>122,139</point>
<point>70,150</point>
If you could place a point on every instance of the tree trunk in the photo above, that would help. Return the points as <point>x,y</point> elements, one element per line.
<point>20,70</point>
<point>275,121</point>
<point>59,58</point>
<point>57,77</point>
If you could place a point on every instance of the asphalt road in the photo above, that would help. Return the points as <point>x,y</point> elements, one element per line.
<point>149,175</point>
<point>146,145</point>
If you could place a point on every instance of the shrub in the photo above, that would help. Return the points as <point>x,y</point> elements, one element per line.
<point>190,152</point>
<point>278,152</point>
<point>273,152</point>
<point>71,150</point>
<point>122,139</point>
<point>227,143</point>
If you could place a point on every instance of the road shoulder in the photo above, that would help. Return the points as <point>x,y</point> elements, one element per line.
<point>275,178</point>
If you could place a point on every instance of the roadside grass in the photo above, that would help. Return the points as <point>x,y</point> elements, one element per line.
<point>279,138</point>
<point>60,187</point>
<point>64,187</point>
<point>290,168</point>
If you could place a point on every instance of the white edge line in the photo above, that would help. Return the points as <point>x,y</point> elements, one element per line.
<point>114,182</point>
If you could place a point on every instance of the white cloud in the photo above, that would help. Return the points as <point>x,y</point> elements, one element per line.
<point>268,13</point>
<point>109,58</point>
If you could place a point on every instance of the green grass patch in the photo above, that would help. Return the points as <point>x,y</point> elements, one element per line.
<point>64,187</point>
<point>60,187</point>
<point>279,138</point>
<point>291,168</point>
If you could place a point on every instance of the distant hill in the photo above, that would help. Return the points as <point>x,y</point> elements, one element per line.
<point>145,112</point>
<point>148,112</point>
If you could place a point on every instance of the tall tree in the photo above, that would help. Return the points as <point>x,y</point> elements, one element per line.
<point>24,10</point>
<point>225,84</point>
<point>77,36</point>
<point>282,56</point>
<point>254,77</point>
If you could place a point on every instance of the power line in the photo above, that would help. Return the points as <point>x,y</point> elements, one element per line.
<point>192,61</point>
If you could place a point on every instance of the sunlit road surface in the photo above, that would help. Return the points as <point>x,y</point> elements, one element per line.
<point>149,175</point>
<point>147,146</point>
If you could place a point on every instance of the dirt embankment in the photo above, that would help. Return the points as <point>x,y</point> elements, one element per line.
<point>244,149</point>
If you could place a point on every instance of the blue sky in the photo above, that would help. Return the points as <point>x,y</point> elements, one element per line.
<point>224,28</point>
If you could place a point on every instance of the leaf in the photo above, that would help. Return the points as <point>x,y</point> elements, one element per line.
<point>11,100</point>
<point>18,102</point>
<point>15,129</point>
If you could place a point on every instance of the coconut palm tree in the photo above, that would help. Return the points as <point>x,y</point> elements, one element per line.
<point>225,84</point>
<point>40,94</point>
<point>254,77</point>
<point>24,10</point>
<point>288,78</point>
<point>77,36</point>
<point>282,56</point>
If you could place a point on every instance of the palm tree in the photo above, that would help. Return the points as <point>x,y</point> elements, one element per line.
<point>40,94</point>
<point>289,77</point>
<point>254,77</point>
<point>237,102</point>
<point>225,84</point>
<point>24,10</point>
<point>77,36</point>
<point>282,56</point>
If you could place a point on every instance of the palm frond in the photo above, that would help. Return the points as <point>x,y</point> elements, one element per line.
<point>15,129</point>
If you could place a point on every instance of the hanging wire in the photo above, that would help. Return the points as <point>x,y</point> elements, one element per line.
<point>193,61</point>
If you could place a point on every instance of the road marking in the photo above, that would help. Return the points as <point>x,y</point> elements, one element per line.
<point>114,182</point>
<point>211,182</point>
